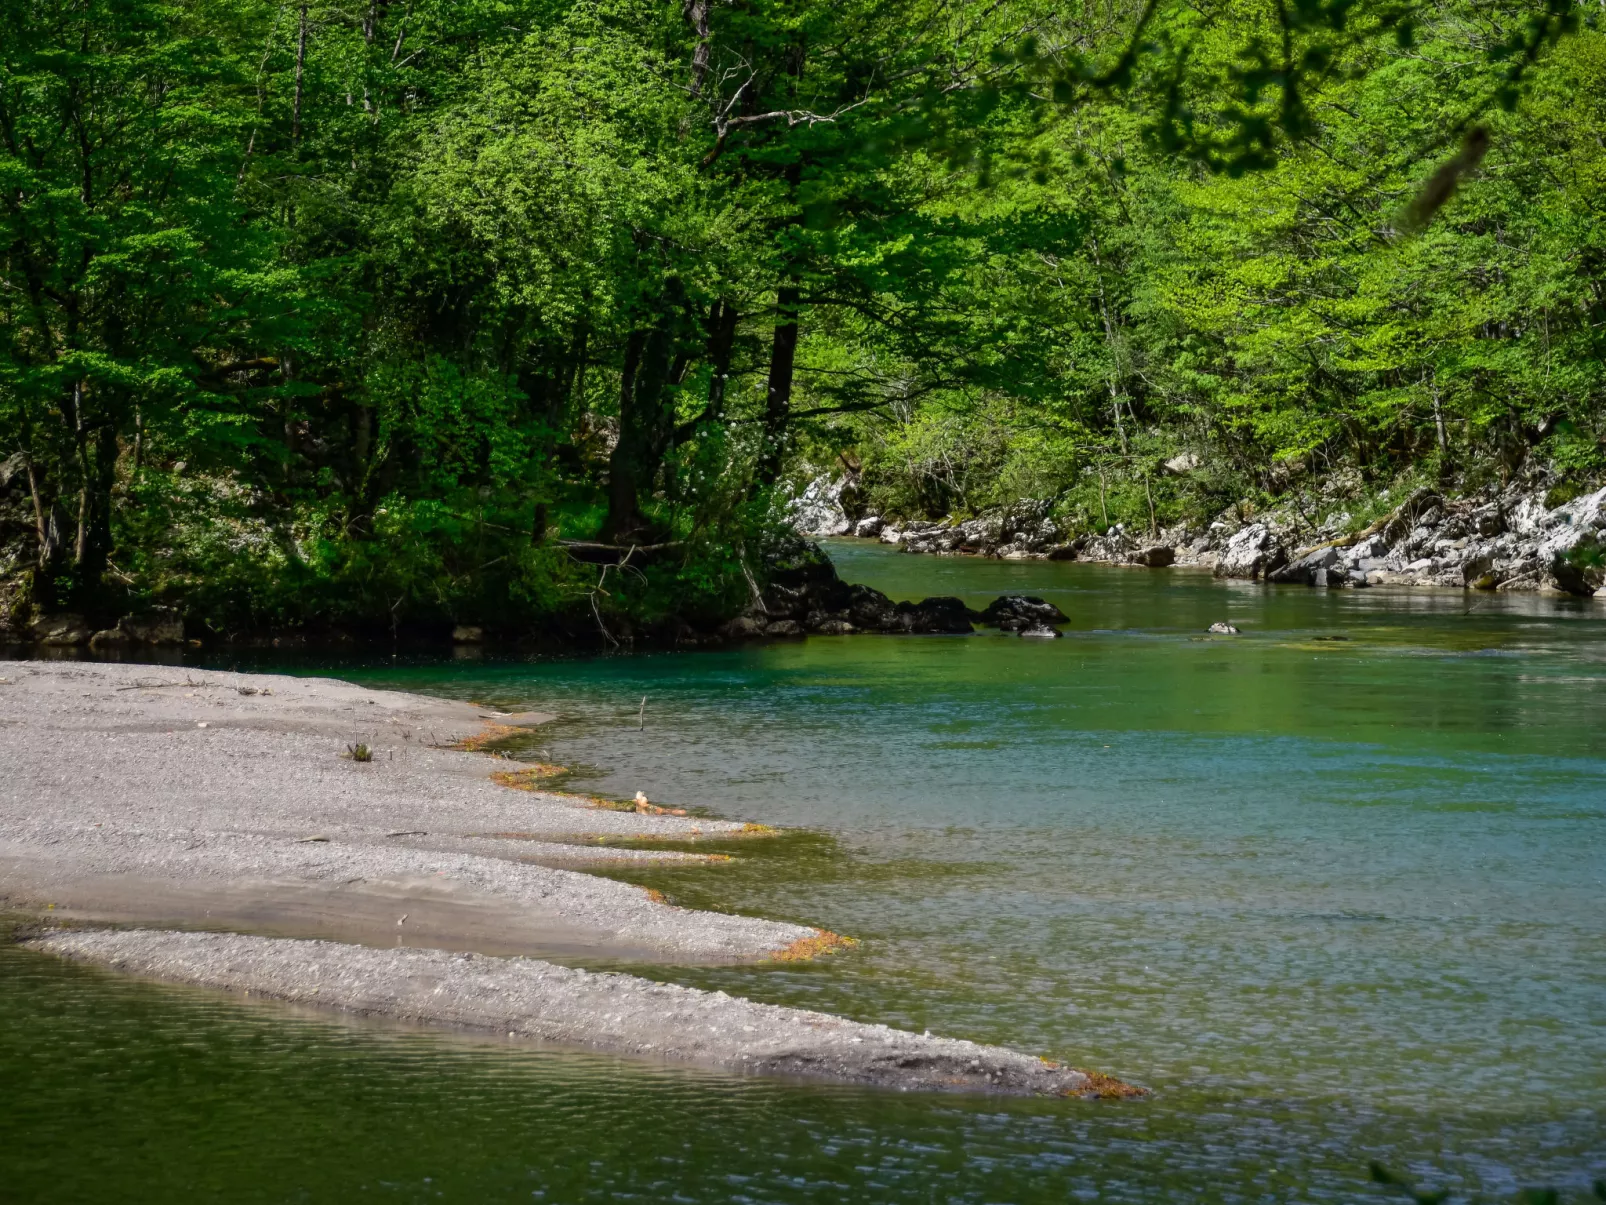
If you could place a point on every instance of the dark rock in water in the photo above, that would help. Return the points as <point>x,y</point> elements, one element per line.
<point>797,563</point>
<point>1156,556</point>
<point>60,630</point>
<point>870,609</point>
<point>784,602</point>
<point>159,626</point>
<point>1017,612</point>
<point>1576,572</point>
<point>743,627</point>
<point>1476,567</point>
<point>784,627</point>
<point>940,614</point>
<point>836,627</point>
<point>1222,629</point>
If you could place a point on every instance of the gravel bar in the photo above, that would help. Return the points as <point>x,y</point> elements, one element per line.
<point>161,795</point>
<point>528,998</point>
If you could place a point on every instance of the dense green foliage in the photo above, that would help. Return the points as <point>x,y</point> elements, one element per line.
<point>1288,327</point>
<point>367,313</point>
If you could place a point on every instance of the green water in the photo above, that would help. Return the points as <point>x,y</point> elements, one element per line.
<point>1335,889</point>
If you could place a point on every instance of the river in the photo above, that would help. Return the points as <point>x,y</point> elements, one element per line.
<point>1335,889</point>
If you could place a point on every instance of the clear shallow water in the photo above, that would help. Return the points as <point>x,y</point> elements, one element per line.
<point>1333,899</point>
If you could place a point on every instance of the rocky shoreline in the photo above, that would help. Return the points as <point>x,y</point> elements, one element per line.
<point>361,852</point>
<point>803,594</point>
<point>1512,540</point>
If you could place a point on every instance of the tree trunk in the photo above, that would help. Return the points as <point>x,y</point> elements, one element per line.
<point>623,514</point>
<point>783,351</point>
<point>722,320</point>
<point>41,524</point>
<point>574,386</point>
<point>301,58</point>
<point>98,546</point>
<point>696,12</point>
<point>646,412</point>
<point>778,395</point>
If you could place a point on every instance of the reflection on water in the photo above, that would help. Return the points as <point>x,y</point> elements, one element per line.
<point>1334,899</point>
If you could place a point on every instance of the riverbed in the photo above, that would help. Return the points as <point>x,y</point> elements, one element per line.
<point>1334,888</point>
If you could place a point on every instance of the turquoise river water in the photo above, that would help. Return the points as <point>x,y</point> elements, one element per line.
<point>1335,889</point>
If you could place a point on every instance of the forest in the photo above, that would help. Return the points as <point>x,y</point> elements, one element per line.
<point>390,315</point>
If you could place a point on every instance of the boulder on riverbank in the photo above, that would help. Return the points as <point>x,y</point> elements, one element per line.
<point>1510,543</point>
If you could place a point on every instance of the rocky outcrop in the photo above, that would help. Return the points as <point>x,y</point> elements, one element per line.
<point>1511,540</point>
<point>818,510</point>
<point>159,626</point>
<point>60,631</point>
<point>1023,531</point>
<point>806,595</point>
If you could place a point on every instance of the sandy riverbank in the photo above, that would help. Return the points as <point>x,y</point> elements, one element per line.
<point>161,796</point>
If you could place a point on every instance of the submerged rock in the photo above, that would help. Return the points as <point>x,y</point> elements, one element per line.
<point>1221,628</point>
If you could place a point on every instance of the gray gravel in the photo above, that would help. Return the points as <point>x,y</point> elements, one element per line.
<point>527,998</point>
<point>160,794</point>
<point>151,795</point>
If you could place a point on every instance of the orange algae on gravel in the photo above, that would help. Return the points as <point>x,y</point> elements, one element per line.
<point>529,778</point>
<point>822,941</point>
<point>489,735</point>
<point>1107,1087</point>
<point>1100,1086</point>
